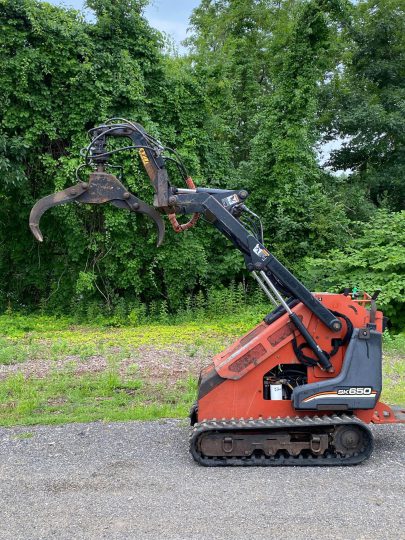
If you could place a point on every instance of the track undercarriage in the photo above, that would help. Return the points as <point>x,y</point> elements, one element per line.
<point>316,441</point>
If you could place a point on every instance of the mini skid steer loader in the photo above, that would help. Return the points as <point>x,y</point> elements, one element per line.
<point>302,386</point>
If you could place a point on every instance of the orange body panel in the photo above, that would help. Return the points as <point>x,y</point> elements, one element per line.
<point>246,361</point>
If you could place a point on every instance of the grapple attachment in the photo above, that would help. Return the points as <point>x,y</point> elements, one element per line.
<point>100,189</point>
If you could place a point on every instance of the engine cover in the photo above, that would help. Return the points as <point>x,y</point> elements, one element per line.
<point>359,383</point>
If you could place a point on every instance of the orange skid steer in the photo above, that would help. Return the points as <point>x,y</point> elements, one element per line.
<point>299,389</point>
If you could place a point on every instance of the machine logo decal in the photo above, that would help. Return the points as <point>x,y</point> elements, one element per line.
<point>229,201</point>
<point>261,251</point>
<point>355,391</point>
<point>143,155</point>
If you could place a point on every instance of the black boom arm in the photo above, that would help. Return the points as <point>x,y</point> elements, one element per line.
<point>221,208</point>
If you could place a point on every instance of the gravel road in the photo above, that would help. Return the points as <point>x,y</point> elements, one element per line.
<point>137,481</point>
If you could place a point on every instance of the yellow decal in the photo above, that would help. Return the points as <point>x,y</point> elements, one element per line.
<point>144,157</point>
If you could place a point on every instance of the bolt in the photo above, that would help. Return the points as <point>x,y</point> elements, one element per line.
<point>126,195</point>
<point>172,199</point>
<point>85,185</point>
<point>258,266</point>
<point>135,206</point>
<point>243,194</point>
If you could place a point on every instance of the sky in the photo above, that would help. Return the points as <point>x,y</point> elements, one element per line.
<point>169,16</point>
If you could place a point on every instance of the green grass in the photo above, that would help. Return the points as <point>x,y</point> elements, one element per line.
<point>59,394</point>
<point>24,435</point>
<point>104,396</point>
<point>63,396</point>
<point>394,369</point>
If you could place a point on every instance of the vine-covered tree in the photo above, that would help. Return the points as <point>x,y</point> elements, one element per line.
<point>283,172</point>
<point>62,75</point>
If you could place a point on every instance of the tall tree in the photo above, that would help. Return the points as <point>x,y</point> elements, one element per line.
<point>230,54</point>
<point>367,103</point>
<point>283,172</point>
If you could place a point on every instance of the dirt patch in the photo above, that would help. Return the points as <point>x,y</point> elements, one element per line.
<point>169,364</point>
<point>92,364</point>
<point>152,363</point>
<point>33,368</point>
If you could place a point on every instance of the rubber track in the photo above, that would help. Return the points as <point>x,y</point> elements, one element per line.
<point>329,460</point>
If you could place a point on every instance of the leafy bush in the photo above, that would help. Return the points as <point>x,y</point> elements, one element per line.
<point>375,259</point>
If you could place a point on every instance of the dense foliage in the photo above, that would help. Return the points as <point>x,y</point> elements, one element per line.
<point>373,260</point>
<point>262,85</point>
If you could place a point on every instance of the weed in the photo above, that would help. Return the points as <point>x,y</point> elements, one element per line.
<point>12,353</point>
<point>24,435</point>
<point>132,369</point>
<point>191,350</point>
<point>394,342</point>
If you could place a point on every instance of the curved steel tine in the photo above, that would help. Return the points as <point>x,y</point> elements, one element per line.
<point>134,204</point>
<point>41,206</point>
<point>102,188</point>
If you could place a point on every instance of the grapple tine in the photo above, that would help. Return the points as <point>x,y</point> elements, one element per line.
<point>41,206</point>
<point>136,205</point>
